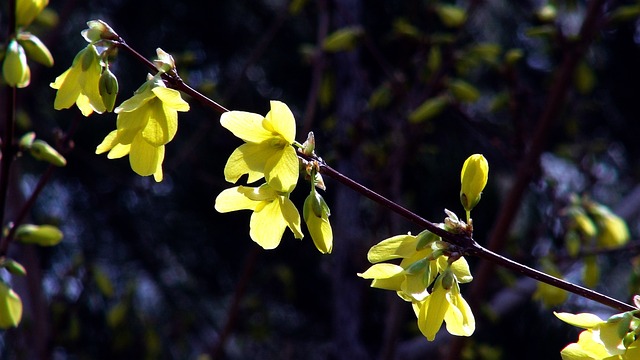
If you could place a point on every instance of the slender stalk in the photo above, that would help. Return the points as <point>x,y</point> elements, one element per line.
<point>464,242</point>
<point>7,147</point>
<point>468,246</point>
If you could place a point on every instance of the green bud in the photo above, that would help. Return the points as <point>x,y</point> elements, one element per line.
<point>425,238</point>
<point>624,324</point>
<point>10,307</point>
<point>426,276</point>
<point>343,39</point>
<point>417,266</point>
<point>15,69</point>
<point>473,179</point>
<point>27,10</point>
<point>463,91</point>
<point>35,49</point>
<point>451,16</point>
<point>27,140</point>
<point>43,235</point>
<point>108,87</point>
<point>429,109</point>
<point>13,267</point>
<point>448,279</point>
<point>309,145</point>
<point>165,61</point>
<point>628,339</point>
<point>434,60</point>
<point>315,203</point>
<point>41,150</point>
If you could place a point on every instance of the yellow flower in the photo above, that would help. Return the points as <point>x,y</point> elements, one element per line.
<point>273,212</point>
<point>27,10</point>
<point>446,305</point>
<point>473,178</point>
<point>146,122</point>
<point>602,339</point>
<point>267,151</point>
<point>10,307</point>
<point>79,84</point>
<point>316,216</point>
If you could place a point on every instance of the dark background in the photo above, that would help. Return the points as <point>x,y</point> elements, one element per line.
<point>150,270</point>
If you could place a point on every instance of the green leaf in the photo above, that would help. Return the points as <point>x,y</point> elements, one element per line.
<point>43,235</point>
<point>451,16</point>
<point>463,91</point>
<point>429,109</point>
<point>343,39</point>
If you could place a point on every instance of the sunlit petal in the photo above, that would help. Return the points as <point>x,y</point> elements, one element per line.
<point>281,121</point>
<point>245,125</point>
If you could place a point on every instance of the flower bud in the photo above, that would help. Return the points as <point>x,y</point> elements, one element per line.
<point>98,30</point>
<point>309,145</point>
<point>108,87</point>
<point>15,69</point>
<point>417,266</point>
<point>473,178</point>
<point>43,235</point>
<point>451,16</point>
<point>27,10</point>
<point>27,140</point>
<point>165,61</point>
<point>35,49</point>
<point>316,213</point>
<point>41,150</point>
<point>13,267</point>
<point>425,239</point>
<point>448,279</point>
<point>10,307</point>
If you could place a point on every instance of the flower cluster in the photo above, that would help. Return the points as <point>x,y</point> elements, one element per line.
<point>146,122</point>
<point>616,338</point>
<point>268,153</point>
<point>428,276</point>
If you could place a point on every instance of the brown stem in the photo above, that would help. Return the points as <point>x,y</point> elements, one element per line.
<point>7,148</point>
<point>468,246</point>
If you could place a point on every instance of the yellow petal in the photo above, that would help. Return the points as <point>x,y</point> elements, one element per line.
<point>10,307</point>
<point>267,225</point>
<point>393,283</point>
<point>281,121</point>
<point>138,100</point>
<point>321,233</point>
<point>90,80</point>
<point>459,319</point>
<point>461,270</point>
<point>245,125</point>
<point>291,216</point>
<point>171,98</point>
<point>130,124</point>
<point>399,246</point>
<point>587,347</point>
<point>414,286</point>
<point>234,199</point>
<point>248,159</point>
<point>84,104</point>
<point>118,151</point>
<point>144,158</point>
<point>108,142</point>
<point>161,124</point>
<point>282,169</point>
<point>432,312</point>
<point>582,320</point>
<point>381,271</point>
<point>68,89</point>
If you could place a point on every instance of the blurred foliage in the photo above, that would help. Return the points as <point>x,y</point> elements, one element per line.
<point>150,270</point>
